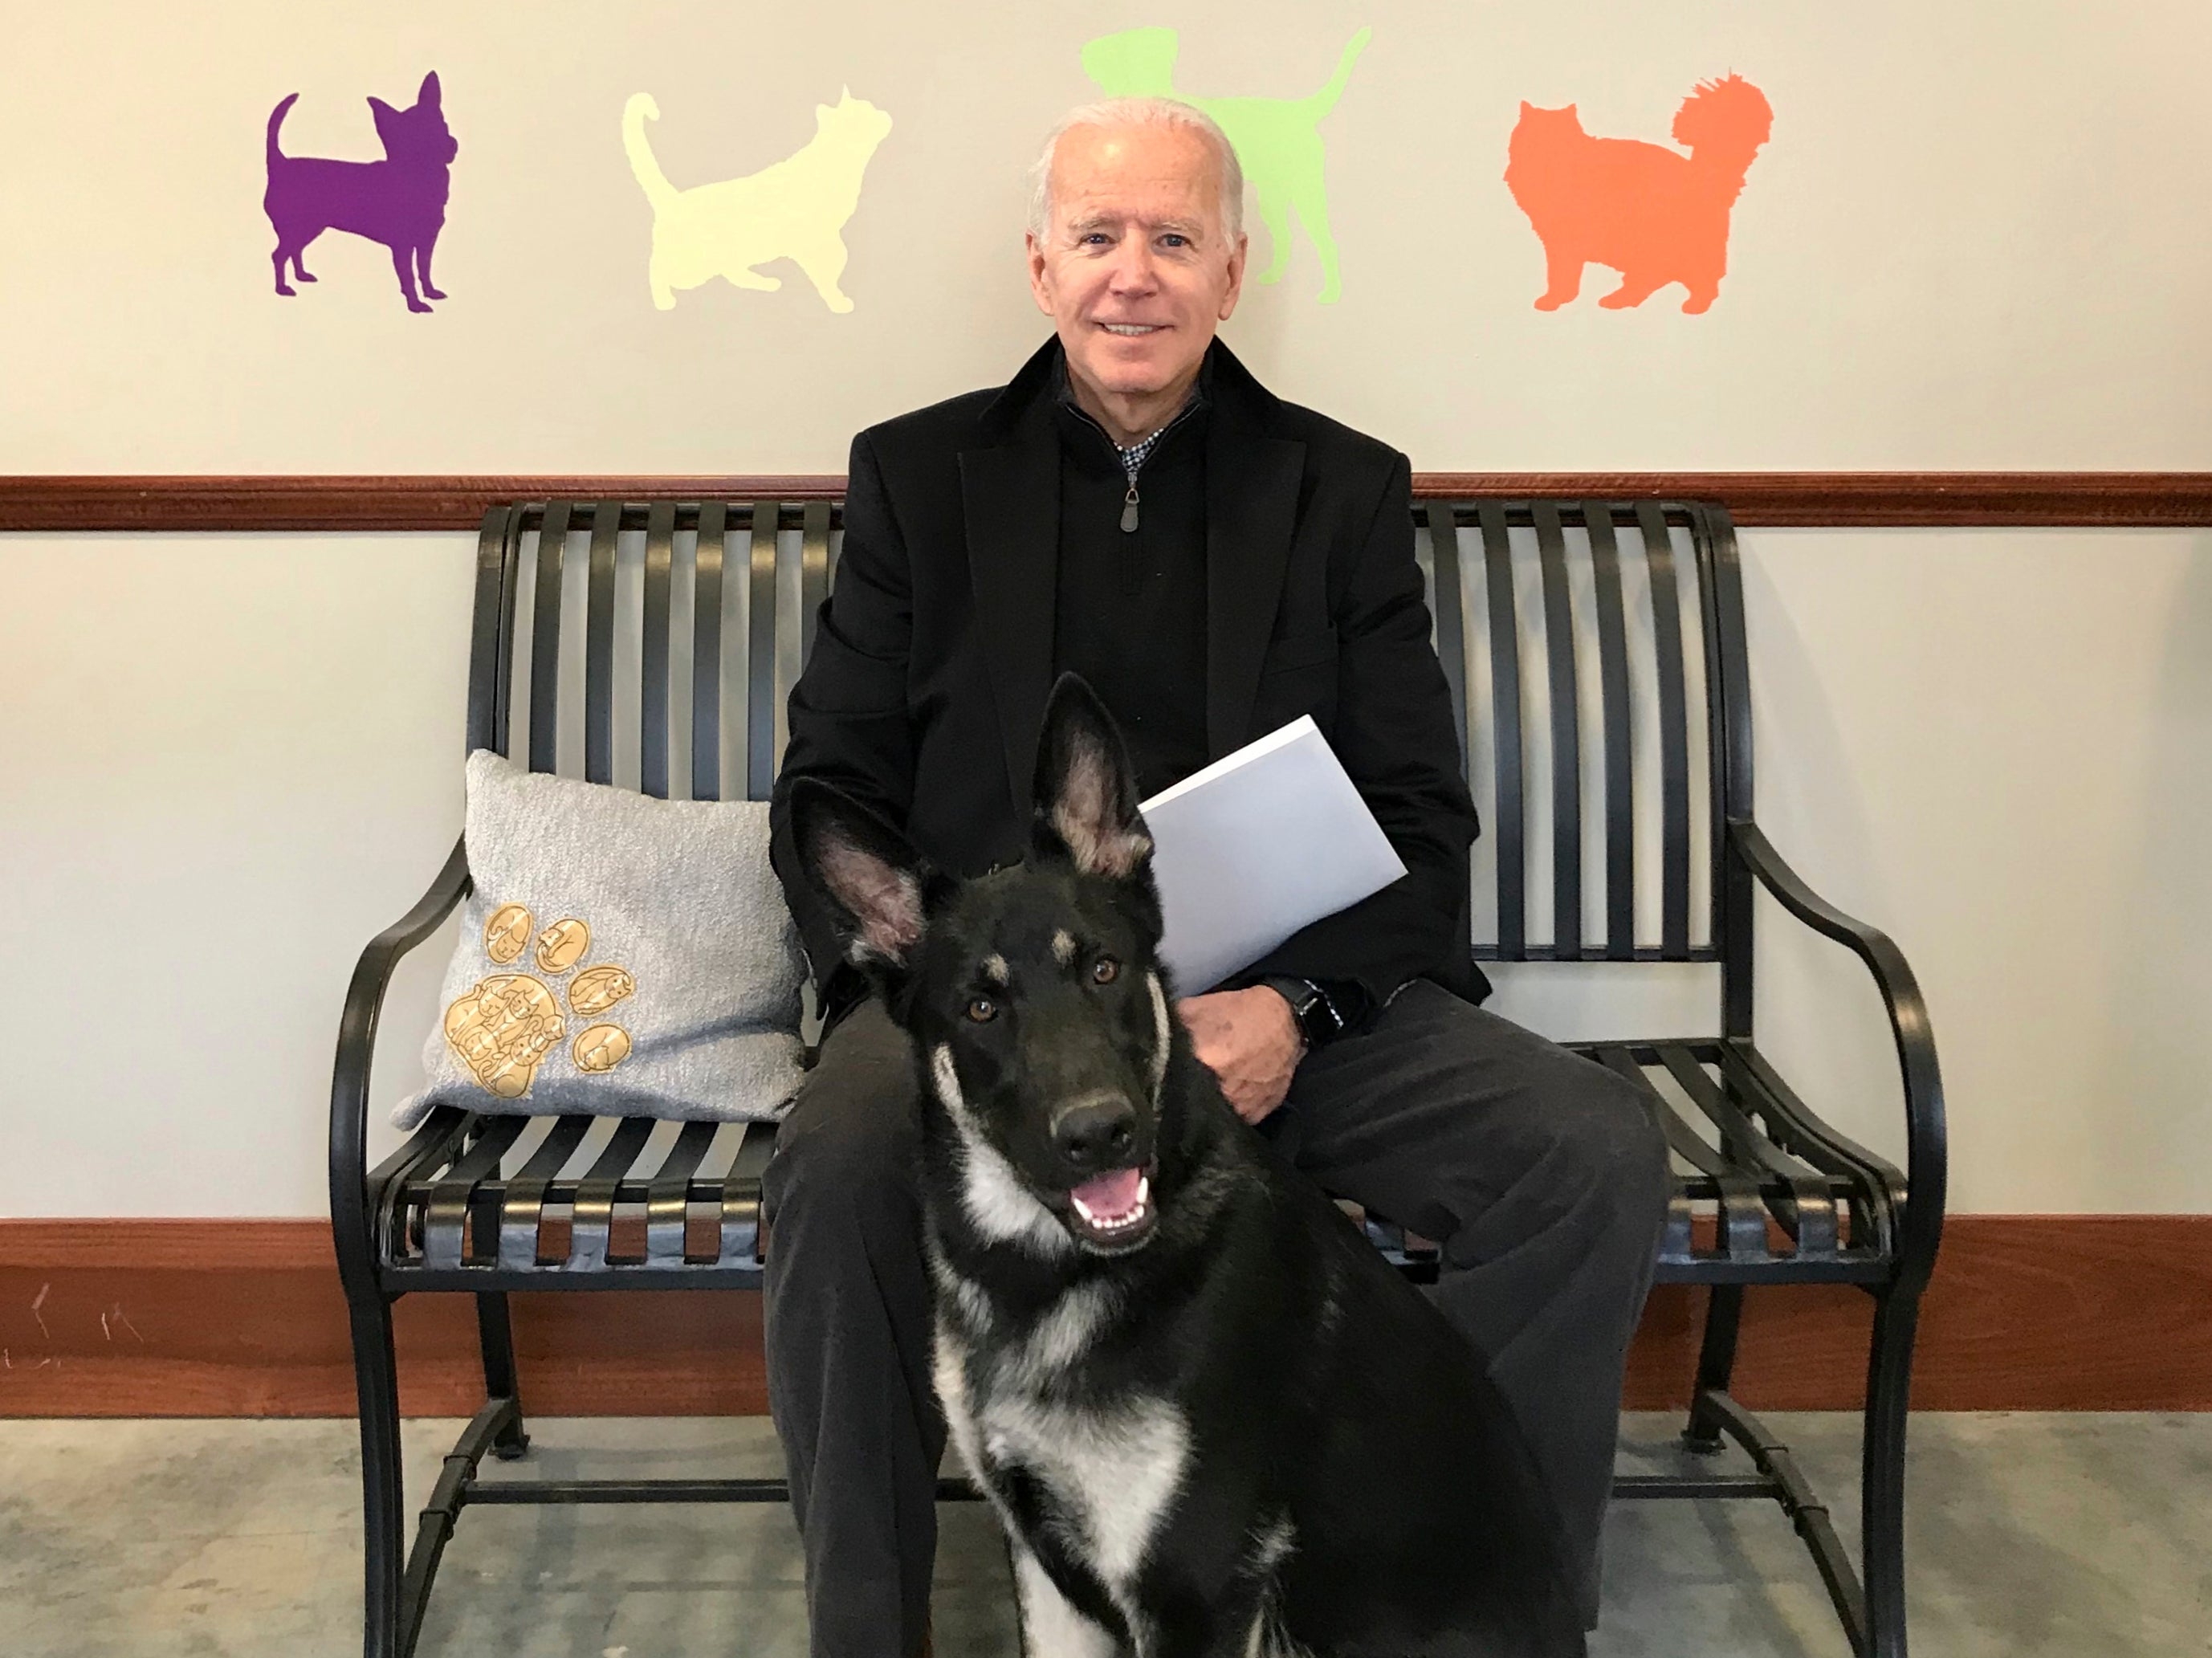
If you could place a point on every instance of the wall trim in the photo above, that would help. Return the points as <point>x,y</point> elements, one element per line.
<point>1843,500</point>
<point>244,1318</point>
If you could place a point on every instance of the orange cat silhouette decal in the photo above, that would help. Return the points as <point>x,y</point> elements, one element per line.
<point>1654,216</point>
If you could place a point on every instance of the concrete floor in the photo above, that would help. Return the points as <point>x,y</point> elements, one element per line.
<point>2064,1535</point>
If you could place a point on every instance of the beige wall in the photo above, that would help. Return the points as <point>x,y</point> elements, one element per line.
<point>233,759</point>
<point>1975,240</point>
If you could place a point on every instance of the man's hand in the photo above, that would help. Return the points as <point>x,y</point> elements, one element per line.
<point>1250,1041</point>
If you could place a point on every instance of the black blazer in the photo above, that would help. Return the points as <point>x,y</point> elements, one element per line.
<point>932,656</point>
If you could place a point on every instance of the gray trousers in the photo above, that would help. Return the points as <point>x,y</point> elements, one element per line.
<point>1538,1173</point>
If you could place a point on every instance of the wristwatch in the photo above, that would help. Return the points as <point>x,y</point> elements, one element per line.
<point>1318,1021</point>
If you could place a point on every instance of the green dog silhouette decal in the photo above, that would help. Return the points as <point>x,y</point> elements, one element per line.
<point>1278,140</point>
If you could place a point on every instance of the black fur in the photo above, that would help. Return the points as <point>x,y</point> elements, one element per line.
<point>1317,1387</point>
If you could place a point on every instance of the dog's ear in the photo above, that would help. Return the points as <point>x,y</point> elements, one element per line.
<point>871,878</point>
<point>428,92</point>
<point>1086,789</point>
<point>386,119</point>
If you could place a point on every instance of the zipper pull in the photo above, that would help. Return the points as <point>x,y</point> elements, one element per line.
<point>1129,509</point>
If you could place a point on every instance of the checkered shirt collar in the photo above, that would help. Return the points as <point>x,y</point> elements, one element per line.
<point>1132,455</point>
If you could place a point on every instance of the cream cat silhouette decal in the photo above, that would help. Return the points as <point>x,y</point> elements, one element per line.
<point>796,209</point>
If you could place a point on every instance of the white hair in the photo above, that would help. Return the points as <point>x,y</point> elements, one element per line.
<point>1145,112</point>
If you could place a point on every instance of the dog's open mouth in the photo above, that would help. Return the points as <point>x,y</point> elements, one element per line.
<point>1113,1212</point>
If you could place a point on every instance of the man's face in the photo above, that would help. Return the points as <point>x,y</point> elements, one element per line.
<point>1134,269</point>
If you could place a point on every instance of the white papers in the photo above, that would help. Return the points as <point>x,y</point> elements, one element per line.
<point>1261,843</point>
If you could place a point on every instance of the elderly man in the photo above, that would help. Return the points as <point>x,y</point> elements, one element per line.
<point>1135,507</point>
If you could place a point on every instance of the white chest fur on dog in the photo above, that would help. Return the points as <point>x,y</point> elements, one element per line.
<point>1111,1473</point>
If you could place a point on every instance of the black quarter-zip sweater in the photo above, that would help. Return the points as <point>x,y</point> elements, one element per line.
<point>1129,614</point>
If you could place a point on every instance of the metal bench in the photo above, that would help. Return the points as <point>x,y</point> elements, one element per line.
<point>653,644</point>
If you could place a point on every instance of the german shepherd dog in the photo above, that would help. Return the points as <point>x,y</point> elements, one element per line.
<point>1214,1421</point>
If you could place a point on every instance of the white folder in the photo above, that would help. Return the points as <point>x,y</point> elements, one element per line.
<point>1260,844</point>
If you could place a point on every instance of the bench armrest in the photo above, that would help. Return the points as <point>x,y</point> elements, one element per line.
<point>1926,1139</point>
<point>356,1053</point>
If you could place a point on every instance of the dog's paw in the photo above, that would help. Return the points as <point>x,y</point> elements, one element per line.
<point>430,293</point>
<point>507,1022</point>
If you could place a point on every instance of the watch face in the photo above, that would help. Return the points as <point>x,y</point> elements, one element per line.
<point>1317,1015</point>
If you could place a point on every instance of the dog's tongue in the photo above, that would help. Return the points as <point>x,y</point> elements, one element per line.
<point>1110,1195</point>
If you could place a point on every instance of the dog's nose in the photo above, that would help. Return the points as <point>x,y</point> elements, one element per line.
<point>1097,1132</point>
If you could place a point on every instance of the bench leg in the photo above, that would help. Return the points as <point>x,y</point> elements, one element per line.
<point>1716,1363</point>
<point>376,1382</point>
<point>1889,1383</point>
<point>495,1335</point>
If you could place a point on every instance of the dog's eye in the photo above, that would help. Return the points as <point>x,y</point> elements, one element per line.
<point>983,1010</point>
<point>1105,970</point>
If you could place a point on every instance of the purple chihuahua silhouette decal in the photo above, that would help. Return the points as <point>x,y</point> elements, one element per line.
<point>399,201</point>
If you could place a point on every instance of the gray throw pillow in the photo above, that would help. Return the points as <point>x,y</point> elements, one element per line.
<point>619,955</point>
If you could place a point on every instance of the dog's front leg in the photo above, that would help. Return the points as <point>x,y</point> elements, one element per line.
<point>403,263</point>
<point>1051,1626</point>
<point>422,266</point>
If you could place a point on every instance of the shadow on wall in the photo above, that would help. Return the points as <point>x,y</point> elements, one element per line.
<point>2161,977</point>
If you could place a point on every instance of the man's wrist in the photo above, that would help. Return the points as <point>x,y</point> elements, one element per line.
<point>1312,1012</point>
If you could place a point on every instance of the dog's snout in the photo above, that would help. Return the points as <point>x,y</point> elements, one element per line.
<point>1097,1132</point>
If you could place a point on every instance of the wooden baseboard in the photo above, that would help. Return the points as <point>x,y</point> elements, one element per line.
<point>245,1318</point>
<point>109,502</point>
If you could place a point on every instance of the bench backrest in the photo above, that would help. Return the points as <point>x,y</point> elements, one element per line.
<point>1595,651</point>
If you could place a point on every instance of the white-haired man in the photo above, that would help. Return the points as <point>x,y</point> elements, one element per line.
<point>1135,507</point>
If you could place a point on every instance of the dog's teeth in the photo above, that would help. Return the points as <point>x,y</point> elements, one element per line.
<point>1119,1222</point>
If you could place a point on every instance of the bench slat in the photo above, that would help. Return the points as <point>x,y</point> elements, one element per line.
<point>745,1231</point>
<point>1511,827</point>
<point>546,638</point>
<point>1566,732</point>
<point>590,1231</point>
<point>667,1205</point>
<point>491,629</point>
<point>1674,735</point>
<point>1619,774</point>
<point>707,651</point>
<point>445,1217</point>
<point>522,1205</point>
<point>1802,1204</point>
<point>653,690</point>
<point>599,644</point>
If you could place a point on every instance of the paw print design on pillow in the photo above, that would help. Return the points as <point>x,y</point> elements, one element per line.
<point>504,1026</point>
